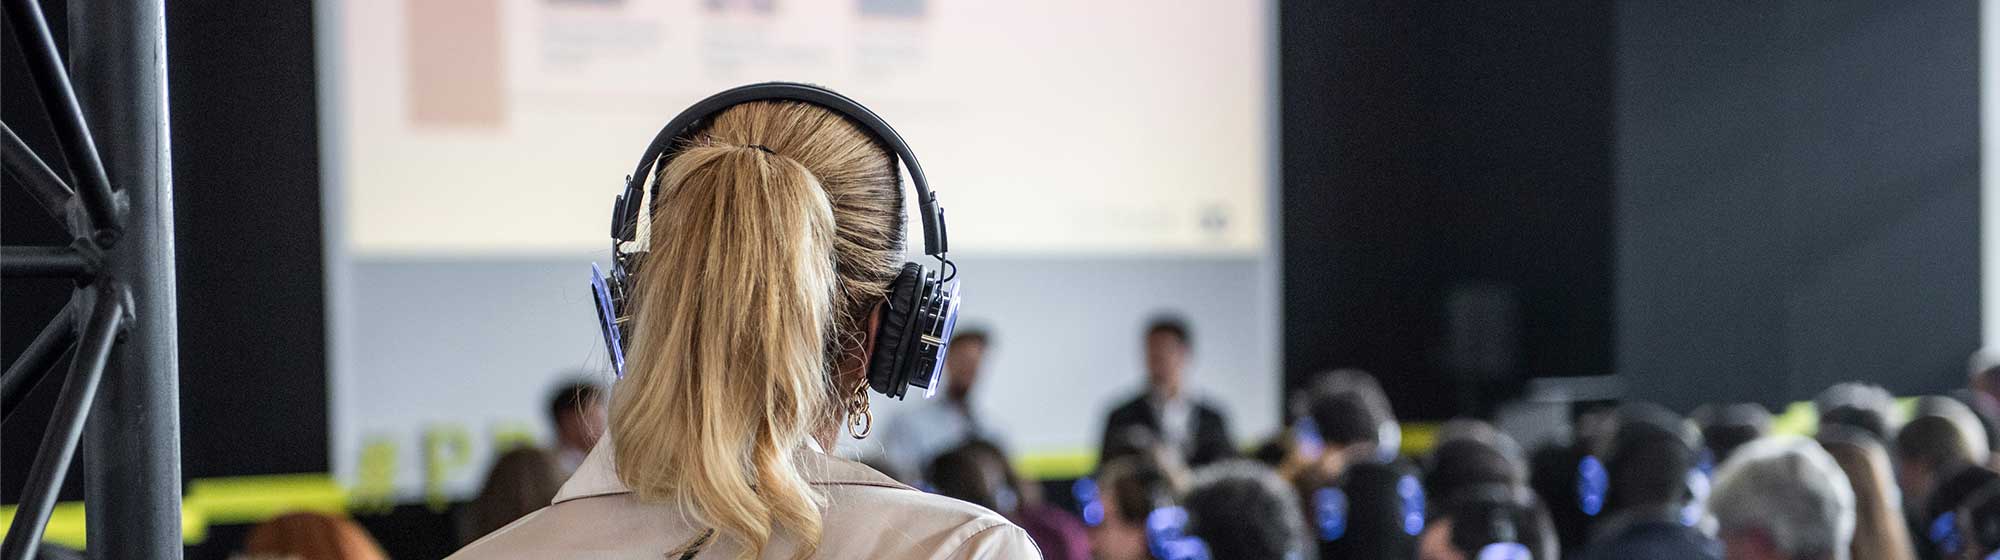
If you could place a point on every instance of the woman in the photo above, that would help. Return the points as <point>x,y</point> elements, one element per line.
<point>1125,491</point>
<point>1879,532</point>
<point>776,234</point>
<point>310,536</point>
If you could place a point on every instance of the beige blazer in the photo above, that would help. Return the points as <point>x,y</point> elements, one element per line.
<point>868,515</point>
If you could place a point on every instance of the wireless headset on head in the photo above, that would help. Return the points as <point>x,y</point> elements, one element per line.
<point>922,306</point>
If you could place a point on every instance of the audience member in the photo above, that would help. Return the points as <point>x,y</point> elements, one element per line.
<point>1726,426</point>
<point>1483,432</point>
<point>521,481</point>
<point>576,409</point>
<point>1982,393</point>
<point>311,536</point>
<point>1472,452</point>
<point>1240,509</point>
<point>1880,531</point>
<point>1465,463</point>
<point>1860,404</point>
<point>1179,419</point>
<point>1783,498</point>
<point>1127,489</point>
<point>1492,521</point>
<point>1553,474</point>
<point>1373,512</point>
<point>978,472</point>
<point>1338,428</point>
<point>1650,504</point>
<point>1965,516</point>
<point>930,427</point>
<point>1929,451</point>
<point>1960,415</point>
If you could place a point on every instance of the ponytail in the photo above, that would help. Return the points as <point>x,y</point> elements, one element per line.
<point>730,369</point>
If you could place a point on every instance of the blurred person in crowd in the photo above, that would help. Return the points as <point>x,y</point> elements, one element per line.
<point>1552,474</point>
<point>521,481</point>
<point>1484,433</point>
<point>776,236</point>
<point>1929,451</point>
<point>1964,517</point>
<point>1983,380</point>
<point>311,536</point>
<point>1179,419</point>
<point>576,409</point>
<point>1860,404</point>
<point>978,472</point>
<point>1783,498</point>
<point>1299,441</point>
<point>1372,512</point>
<point>1554,471</point>
<point>1489,521</point>
<point>931,427</point>
<point>1651,502</point>
<point>1982,394</point>
<point>1962,416</point>
<point>1126,490</point>
<point>1338,428</point>
<point>1726,426</point>
<point>1936,467</point>
<point>1240,509</point>
<point>1465,463</point>
<point>1880,531</point>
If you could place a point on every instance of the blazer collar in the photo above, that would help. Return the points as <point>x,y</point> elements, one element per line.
<point>598,476</point>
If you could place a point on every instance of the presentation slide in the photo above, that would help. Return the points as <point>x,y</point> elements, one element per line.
<point>1047,126</point>
<point>1119,150</point>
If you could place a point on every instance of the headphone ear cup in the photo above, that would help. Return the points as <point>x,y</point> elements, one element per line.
<point>889,364</point>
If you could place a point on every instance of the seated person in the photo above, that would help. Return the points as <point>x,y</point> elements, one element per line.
<point>978,472</point>
<point>1783,498</point>
<point>521,481</point>
<point>1726,426</point>
<point>934,426</point>
<point>1859,404</point>
<point>1929,453</point>
<point>311,536</point>
<point>1125,490</point>
<point>1651,507</point>
<point>1236,509</point>
<point>1489,522</point>
<point>1372,512</point>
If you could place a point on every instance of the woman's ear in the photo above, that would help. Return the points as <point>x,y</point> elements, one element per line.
<point>854,365</point>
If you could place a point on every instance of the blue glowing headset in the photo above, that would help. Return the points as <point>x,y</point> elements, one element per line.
<point>922,306</point>
<point>1331,509</point>
<point>1984,510</point>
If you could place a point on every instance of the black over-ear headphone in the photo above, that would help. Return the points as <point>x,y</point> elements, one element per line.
<point>922,306</point>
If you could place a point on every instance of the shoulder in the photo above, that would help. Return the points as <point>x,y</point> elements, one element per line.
<point>870,516</point>
<point>1133,406</point>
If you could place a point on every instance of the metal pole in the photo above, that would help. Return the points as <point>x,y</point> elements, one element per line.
<point>43,353</point>
<point>65,110</point>
<point>48,188</point>
<point>42,262</point>
<point>132,469</point>
<point>66,424</point>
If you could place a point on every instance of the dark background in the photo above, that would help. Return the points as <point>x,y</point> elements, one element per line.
<point>1715,200</point>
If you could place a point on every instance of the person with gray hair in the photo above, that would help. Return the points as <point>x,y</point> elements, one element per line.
<point>1783,498</point>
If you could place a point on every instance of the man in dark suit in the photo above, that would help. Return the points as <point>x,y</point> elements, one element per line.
<point>1165,414</point>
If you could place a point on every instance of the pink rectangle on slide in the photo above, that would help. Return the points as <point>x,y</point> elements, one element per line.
<point>454,63</point>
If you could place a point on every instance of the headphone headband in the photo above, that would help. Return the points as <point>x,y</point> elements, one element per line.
<point>625,214</point>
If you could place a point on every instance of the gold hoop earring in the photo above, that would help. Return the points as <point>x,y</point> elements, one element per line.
<point>860,421</point>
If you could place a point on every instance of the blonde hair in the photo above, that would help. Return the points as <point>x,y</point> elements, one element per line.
<point>1879,532</point>
<point>778,231</point>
